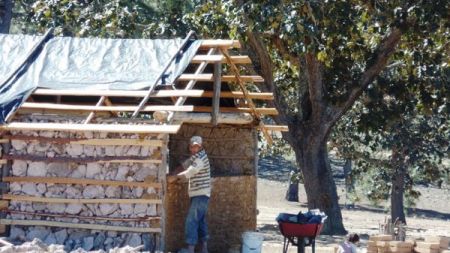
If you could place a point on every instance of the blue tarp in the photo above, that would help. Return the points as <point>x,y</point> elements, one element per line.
<point>85,63</point>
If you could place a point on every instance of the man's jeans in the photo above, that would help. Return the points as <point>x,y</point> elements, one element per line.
<point>196,226</point>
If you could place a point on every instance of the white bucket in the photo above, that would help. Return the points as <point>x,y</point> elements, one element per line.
<point>252,242</point>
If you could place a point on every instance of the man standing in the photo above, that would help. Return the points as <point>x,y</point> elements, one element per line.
<point>197,170</point>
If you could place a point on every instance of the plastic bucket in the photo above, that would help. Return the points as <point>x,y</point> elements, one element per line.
<point>252,242</point>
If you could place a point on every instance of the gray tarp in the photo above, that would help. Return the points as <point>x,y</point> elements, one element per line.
<point>86,63</point>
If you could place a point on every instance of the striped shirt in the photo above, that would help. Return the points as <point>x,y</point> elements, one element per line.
<point>198,171</point>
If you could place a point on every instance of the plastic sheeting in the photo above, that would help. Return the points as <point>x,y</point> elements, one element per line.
<point>86,63</point>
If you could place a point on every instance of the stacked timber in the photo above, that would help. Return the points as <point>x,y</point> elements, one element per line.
<point>434,244</point>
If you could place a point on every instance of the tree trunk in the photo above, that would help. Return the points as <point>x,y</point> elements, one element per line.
<point>349,184</point>
<point>398,188</point>
<point>312,156</point>
<point>6,7</point>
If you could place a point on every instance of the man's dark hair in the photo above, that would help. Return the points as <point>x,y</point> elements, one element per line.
<point>353,238</point>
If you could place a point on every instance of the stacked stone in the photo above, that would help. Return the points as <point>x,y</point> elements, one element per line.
<point>74,238</point>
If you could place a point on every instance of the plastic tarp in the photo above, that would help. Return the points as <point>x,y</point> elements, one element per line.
<point>87,64</point>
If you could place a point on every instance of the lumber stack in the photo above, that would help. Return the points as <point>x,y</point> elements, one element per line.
<point>433,244</point>
<point>386,244</point>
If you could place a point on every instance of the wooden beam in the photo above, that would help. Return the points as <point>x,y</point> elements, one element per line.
<point>79,201</point>
<point>279,128</point>
<point>265,111</point>
<point>220,43</point>
<point>216,96</point>
<point>117,128</point>
<point>119,93</point>
<point>237,59</point>
<point>94,108</point>
<point>81,181</point>
<point>3,161</point>
<point>239,94</point>
<point>78,225</point>
<point>85,141</point>
<point>89,159</point>
<point>225,78</point>
<point>65,215</point>
<point>240,81</point>
<point>92,114</point>
<point>205,118</point>
<point>4,204</point>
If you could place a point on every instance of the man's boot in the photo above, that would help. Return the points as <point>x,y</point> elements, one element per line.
<point>204,247</point>
<point>191,248</point>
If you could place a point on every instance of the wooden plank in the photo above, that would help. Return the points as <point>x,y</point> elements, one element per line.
<point>279,128</point>
<point>92,114</point>
<point>78,225</point>
<point>3,161</point>
<point>85,141</point>
<point>148,108</point>
<point>225,78</point>
<point>236,59</point>
<point>207,58</point>
<point>117,128</point>
<point>220,43</point>
<point>89,159</point>
<point>4,204</point>
<point>65,215</point>
<point>79,201</point>
<point>3,141</point>
<point>119,93</point>
<point>216,91</point>
<point>81,181</point>
<point>266,111</point>
<point>239,94</point>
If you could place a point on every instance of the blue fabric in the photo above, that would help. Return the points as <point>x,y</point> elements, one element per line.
<point>301,218</point>
<point>196,227</point>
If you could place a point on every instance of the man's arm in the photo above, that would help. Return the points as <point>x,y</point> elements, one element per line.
<point>193,169</point>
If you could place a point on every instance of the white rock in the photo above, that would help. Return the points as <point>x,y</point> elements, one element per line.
<point>37,232</point>
<point>145,151</point>
<point>17,233</point>
<point>18,144</point>
<point>112,192</point>
<point>50,239</point>
<point>48,134</point>
<point>140,209</point>
<point>107,209</point>
<point>30,189</point>
<point>92,170</point>
<point>88,243</point>
<point>134,240</point>
<point>51,154</point>
<point>89,150</point>
<point>142,173</point>
<point>19,168</point>
<point>56,208</point>
<point>79,172</point>
<point>39,206</point>
<point>56,191</point>
<point>15,187</point>
<point>151,210</point>
<point>37,169</point>
<point>41,188</point>
<point>30,148</point>
<point>119,150</point>
<point>93,191</point>
<point>122,172</point>
<point>59,169</point>
<point>73,208</point>
<point>126,209</point>
<point>74,150</point>
<point>110,151</point>
<point>73,192</point>
<point>88,135</point>
<point>61,236</point>
<point>134,151</point>
<point>42,146</point>
<point>137,192</point>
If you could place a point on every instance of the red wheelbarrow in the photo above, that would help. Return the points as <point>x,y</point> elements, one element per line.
<point>298,234</point>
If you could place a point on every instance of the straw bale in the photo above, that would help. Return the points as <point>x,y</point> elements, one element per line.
<point>424,250</point>
<point>427,245</point>
<point>381,238</point>
<point>232,211</point>
<point>443,241</point>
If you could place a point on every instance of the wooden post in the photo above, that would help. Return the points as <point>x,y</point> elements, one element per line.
<point>216,97</point>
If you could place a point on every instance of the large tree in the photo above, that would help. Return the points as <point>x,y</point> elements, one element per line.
<point>318,57</point>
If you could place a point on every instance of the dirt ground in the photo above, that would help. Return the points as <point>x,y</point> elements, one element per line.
<point>431,216</point>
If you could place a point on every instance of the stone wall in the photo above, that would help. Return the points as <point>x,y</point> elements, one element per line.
<point>233,156</point>
<point>57,154</point>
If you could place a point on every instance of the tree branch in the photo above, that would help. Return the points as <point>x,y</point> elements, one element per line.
<point>283,50</point>
<point>373,67</point>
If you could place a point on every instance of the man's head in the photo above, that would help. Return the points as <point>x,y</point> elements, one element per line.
<point>195,144</point>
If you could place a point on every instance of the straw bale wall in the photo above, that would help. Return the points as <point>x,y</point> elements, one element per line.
<point>232,208</point>
<point>232,211</point>
<point>55,154</point>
